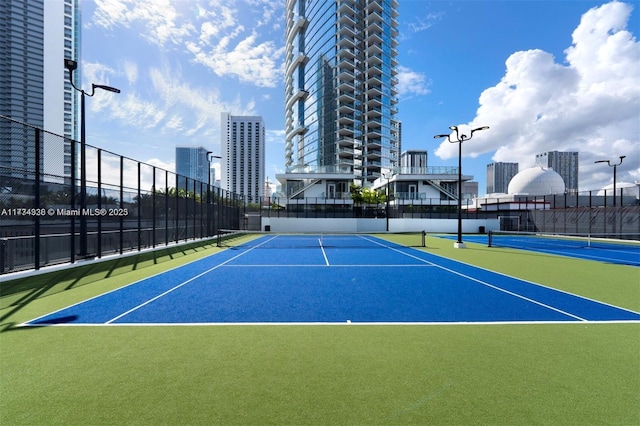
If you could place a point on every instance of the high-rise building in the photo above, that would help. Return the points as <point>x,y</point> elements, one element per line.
<point>499,175</point>
<point>38,35</point>
<point>340,87</point>
<point>563,163</point>
<point>192,162</point>
<point>243,155</point>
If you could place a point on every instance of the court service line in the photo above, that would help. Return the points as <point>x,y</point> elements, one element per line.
<point>333,265</point>
<point>340,323</point>
<point>324,254</point>
<point>135,308</point>
<point>488,284</point>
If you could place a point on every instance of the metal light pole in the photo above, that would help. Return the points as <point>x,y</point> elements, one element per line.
<point>388,177</point>
<point>615,166</point>
<point>72,65</point>
<point>460,138</point>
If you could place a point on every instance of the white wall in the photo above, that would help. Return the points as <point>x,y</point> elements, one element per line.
<point>280,224</point>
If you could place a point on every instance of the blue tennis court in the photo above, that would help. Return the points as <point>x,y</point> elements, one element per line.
<point>596,249</point>
<point>339,279</point>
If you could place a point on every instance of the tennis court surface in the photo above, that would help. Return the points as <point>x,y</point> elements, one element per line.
<point>580,246</point>
<point>331,279</point>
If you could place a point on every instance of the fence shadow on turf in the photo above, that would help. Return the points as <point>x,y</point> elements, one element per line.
<point>16,294</point>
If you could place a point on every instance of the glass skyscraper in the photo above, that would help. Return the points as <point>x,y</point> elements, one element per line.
<point>340,87</point>
<point>37,36</point>
<point>192,162</point>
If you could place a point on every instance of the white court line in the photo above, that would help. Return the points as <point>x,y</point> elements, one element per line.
<point>324,254</point>
<point>489,285</point>
<point>336,323</point>
<point>184,283</point>
<point>333,265</point>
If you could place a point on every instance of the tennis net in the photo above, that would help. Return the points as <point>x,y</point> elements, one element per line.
<point>544,240</point>
<point>270,240</point>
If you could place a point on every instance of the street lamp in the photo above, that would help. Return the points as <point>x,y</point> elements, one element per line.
<point>210,158</point>
<point>615,166</point>
<point>72,65</point>
<point>460,138</point>
<point>388,176</point>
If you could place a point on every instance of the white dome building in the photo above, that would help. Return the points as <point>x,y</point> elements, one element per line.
<point>536,181</point>
<point>628,189</point>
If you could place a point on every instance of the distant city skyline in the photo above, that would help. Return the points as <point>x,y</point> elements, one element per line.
<point>544,76</point>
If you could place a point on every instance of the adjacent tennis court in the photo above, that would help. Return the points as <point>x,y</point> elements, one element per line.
<point>331,279</point>
<point>594,247</point>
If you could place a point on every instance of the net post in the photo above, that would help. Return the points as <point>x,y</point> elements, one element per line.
<point>219,239</point>
<point>424,237</point>
<point>490,238</point>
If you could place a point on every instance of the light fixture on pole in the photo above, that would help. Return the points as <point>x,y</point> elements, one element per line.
<point>460,138</point>
<point>615,166</point>
<point>72,65</point>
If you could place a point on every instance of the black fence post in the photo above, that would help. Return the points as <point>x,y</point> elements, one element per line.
<point>177,211</point>
<point>153,209</point>
<point>195,183</point>
<point>74,155</point>
<point>36,190</point>
<point>99,236</point>
<point>139,209</point>
<point>166,207</point>
<point>121,204</point>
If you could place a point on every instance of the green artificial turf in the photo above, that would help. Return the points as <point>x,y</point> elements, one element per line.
<point>570,374</point>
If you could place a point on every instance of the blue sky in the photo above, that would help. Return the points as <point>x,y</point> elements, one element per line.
<point>544,75</point>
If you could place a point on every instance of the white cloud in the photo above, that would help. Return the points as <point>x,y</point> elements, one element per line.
<point>420,23</point>
<point>275,136</point>
<point>131,72</point>
<point>213,34</point>
<point>177,109</point>
<point>411,82</point>
<point>589,104</point>
<point>162,22</point>
<point>270,10</point>
<point>250,61</point>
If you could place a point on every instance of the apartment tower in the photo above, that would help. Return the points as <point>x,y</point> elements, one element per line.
<point>499,175</point>
<point>341,87</point>
<point>243,155</point>
<point>563,163</point>
<point>37,36</point>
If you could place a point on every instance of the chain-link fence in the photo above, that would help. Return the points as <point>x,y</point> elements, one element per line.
<point>54,210</point>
